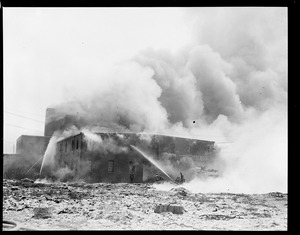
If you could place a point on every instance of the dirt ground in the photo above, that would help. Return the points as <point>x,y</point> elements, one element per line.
<point>102,206</point>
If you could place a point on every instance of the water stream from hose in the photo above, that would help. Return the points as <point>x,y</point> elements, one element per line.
<point>152,161</point>
<point>34,165</point>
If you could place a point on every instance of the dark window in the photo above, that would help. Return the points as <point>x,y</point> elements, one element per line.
<point>110,166</point>
<point>77,143</point>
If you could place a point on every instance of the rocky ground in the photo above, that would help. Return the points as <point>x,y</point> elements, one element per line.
<point>101,206</point>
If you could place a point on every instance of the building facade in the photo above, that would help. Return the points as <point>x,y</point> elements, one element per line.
<point>113,159</point>
<point>97,164</point>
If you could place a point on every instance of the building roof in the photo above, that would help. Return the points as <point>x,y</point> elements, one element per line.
<point>139,133</point>
<point>69,137</point>
<point>32,136</point>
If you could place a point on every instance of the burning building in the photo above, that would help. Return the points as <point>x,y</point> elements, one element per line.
<point>106,160</point>
<point>107,156</point>
<point>113,157</point>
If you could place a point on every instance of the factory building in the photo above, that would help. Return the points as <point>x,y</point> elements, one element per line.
<point>112,165</point>
<point>103,165</point>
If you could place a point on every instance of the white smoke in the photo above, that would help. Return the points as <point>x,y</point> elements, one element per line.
<point>92,140</point>
<point>145,137</point>
<point>96,144</point>
<point>63,173</point>
<point>128,100</point>
<point>228,85</point>
<point>240,73</point>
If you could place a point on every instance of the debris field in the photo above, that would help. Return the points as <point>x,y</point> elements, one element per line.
<point>123,206</point>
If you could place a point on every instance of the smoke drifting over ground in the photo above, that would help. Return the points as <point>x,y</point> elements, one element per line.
<point>229,85</point>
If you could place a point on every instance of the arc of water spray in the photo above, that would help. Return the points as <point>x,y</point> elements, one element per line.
<point>42,165</point>
<point>151,160</point>
<point>34,165</point>
<point>52,142</point>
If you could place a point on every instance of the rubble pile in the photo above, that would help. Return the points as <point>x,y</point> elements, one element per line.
<point>103,206</point>
<point>180,191</point>
<point>169,208</point>
<point>42,212</point>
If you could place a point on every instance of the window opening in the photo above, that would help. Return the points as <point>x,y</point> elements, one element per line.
<point>110,166</point>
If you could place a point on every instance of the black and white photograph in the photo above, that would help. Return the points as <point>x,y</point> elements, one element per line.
<point>145,118</point>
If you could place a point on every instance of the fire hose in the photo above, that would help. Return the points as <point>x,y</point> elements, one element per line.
<point>14,226</point>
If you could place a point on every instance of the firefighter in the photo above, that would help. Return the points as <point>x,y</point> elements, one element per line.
<point>177,180</point>
<point>157,177</point>
<point>131,176</point>
<point>181,178</point>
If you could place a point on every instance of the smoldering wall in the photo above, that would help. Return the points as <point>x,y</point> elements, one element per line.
<point>229,83</point>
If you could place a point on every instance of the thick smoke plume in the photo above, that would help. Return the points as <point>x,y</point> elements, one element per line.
<point>229,85</point>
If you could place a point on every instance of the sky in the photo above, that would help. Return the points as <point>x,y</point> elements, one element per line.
<point>49,51</point>
<point>216,74</point>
